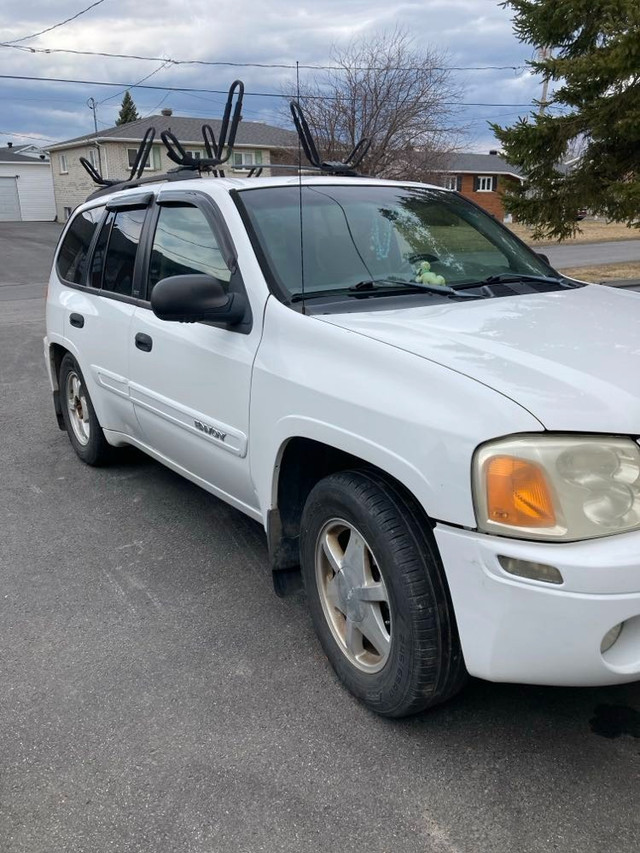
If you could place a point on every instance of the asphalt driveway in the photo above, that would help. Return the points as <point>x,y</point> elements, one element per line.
<point>591,254</point>
<point>156,696</point>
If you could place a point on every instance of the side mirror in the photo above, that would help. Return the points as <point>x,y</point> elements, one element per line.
<point>544,257</point>
<point>192,298</point>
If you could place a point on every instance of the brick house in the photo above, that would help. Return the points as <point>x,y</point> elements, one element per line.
<point>481,178</point>
<point>112,151</point>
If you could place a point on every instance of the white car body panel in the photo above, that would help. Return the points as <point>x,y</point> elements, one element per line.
<point>412,391</point>
<point>571,358</point>
<point>410,418</point>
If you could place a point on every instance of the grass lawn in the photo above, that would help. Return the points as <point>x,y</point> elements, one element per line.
<point>605,272</point>
<point>591,231</point>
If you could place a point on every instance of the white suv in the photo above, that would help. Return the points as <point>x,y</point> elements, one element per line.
<point>438,432</point>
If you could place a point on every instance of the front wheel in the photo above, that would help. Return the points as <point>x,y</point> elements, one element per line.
<point>378,595</point>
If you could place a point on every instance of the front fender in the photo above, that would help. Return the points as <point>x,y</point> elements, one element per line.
<point>416,420</point>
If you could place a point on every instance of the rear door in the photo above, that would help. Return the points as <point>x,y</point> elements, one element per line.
<point>99,306</point>
<point>190,382</point>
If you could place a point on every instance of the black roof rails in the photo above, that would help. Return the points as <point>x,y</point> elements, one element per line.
<point>215,152</point>
<point>346,168</point>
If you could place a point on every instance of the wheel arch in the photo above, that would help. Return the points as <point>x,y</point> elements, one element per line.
<point>56,353</point>
<point>302,462</point>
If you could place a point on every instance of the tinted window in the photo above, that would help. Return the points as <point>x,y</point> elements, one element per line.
<point>185,244</point>
<point>72,258</point>
<point>121,254</point>
<point>99,253</point>
<point>393,234</point>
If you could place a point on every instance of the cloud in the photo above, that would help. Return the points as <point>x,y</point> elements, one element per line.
<point>473,32</point>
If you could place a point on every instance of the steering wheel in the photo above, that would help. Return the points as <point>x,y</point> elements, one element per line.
<point>421,256</point>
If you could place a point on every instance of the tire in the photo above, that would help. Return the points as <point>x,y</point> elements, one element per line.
<point>407,657</point>
<point>83,429</point>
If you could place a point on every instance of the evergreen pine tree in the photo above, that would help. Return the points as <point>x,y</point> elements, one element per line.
<point>128,111</point>
<point>594,109</point>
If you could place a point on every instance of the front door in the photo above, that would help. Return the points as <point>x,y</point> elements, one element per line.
<point>190,382</point>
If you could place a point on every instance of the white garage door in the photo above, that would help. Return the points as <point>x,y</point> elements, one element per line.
<point>9,203</point>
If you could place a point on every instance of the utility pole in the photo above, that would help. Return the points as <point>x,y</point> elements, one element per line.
<point>91,103</point>
<point>544,53</point>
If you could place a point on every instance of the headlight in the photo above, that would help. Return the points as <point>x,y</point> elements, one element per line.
<point>557,487</point>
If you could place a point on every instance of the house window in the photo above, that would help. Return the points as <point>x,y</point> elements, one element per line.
<point>484,184</point>
<point>195,154</point>
<point>247,158</point>
<point>63,164</point>
<point>451,182</point>
<point>94,158</point>
<point>152,161</point>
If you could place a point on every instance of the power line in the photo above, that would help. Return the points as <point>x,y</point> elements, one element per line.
<point>135,85</point>
<point>54,27</point>
<point>188,90</point>
<point>280,65</point>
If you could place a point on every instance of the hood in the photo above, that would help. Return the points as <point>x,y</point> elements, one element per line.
<point>570,357</point>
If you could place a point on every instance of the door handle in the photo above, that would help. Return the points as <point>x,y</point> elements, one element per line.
<point>144,342</point>
<point>76,320</point>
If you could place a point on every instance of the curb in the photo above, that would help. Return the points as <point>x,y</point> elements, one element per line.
<point>622,282</point>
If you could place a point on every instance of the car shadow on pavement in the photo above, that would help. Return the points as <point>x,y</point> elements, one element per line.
<point>611,712</point>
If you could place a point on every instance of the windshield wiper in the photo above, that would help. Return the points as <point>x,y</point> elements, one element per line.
<point>371,286</point>
<point>507,277</point>
<point>385,287</point>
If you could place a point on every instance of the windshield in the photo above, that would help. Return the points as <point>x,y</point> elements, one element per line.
<point>359,233</point>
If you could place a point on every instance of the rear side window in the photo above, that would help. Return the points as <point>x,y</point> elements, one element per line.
<point>120,260</point>
<point>100,252</point>
<point>72,258</point>
<point>184,244</point>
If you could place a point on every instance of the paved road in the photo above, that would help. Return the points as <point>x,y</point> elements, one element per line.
<point>156,696</point>
<point>589,254</point>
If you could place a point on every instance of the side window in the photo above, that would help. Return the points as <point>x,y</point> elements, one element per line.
<point>100,252</point>
<point>185,244</point>
<point>121,253</point>
<point>72,258</point>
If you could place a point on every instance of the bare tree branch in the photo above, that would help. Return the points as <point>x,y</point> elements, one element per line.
<point>389,91</point>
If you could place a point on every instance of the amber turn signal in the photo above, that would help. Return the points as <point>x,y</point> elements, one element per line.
<point>518,493</point>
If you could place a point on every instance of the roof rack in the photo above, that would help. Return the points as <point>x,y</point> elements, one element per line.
<point>215,151</point>
<point>219,152</point>
<point>187,163</point>
<point>346,168</point>
<point>141,157</point>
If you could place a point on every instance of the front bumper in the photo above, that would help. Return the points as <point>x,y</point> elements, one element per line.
<point>526,631</point>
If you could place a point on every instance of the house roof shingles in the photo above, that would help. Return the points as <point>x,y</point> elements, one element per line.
<point>10,155</point>
<point>482,164</point>
<point>189,131</point>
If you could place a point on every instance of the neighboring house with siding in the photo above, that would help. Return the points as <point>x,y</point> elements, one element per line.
<point>482,178</point>
<point>112,152</point>
<point>26,185</point>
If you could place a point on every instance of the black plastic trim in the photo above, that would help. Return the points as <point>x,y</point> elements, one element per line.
<point>140,200</point>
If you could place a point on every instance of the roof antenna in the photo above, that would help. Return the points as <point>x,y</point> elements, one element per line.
<point>301,142</point>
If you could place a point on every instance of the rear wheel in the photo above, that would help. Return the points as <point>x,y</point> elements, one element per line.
<point>378,595</point>
<point>83,429</point>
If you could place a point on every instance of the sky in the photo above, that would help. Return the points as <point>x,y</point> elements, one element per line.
<point>469,32</point>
